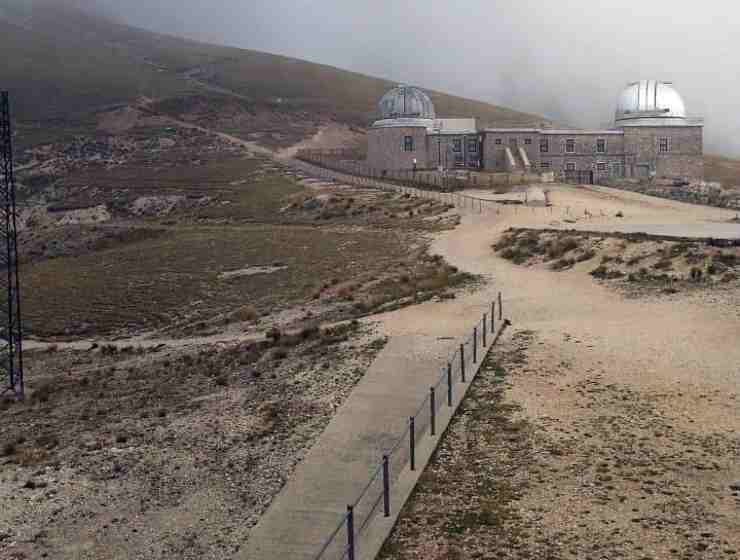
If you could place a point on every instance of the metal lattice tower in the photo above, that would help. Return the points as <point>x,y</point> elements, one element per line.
<point>11,333</point>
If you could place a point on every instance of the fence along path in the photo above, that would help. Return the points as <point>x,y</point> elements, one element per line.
<point>309,518</point>
<point>464,202</point>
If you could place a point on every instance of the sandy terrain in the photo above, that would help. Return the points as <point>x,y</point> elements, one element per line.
<point>614,435</point>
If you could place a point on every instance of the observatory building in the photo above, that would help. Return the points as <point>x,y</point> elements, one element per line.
<point>652,136</point>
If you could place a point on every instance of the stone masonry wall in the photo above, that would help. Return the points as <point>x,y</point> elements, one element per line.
<point>585,156</point>
<point>494,158</point>
<point>385,148</point>
<point>685,158</point>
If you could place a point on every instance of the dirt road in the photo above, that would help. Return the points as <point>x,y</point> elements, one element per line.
<point>624,425</point>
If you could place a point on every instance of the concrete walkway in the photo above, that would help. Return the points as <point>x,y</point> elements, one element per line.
<point>369,423</point>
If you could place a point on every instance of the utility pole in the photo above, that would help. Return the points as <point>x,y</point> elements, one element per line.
<point>11,333</point>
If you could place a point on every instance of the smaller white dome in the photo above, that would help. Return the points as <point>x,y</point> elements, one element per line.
<point>650,99</point>
<point>406,102</point>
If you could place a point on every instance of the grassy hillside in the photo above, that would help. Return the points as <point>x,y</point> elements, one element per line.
<point>67,64</point>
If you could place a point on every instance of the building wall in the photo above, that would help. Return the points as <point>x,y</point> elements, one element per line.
<point>633,152</point>
<point>385,148</point>
<point>684,159</point>
<point>440,148</point>
<point>494,155</point>
<point>586,157</point>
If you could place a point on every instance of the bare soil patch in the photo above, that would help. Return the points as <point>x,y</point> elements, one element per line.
<point>622,478</point>
<point>164,453</point>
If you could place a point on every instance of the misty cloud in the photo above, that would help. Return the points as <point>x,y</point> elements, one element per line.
<point>567,60</point>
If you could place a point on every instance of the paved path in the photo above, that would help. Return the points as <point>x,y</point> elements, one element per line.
<point>339,465</point>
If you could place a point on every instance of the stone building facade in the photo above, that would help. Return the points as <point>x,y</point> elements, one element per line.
<point>652,137</point>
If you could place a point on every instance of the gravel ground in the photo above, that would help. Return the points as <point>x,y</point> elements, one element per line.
<point>164,454</point>
<point>619,479</point>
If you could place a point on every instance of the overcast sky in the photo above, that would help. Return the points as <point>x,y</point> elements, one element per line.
<point>567,60</point>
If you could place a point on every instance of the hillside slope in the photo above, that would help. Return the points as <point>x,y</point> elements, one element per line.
<point>67,64</point>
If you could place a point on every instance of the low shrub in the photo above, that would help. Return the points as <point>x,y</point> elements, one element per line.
<point>562,264</point>
<point>559,247</point>
<point>600,271</point>
<point>274,334</point>
<point>517,255</point>
<point>603,273</point>
<point>716,268</point>
<point>246,313</point>
<point>663,264</point>
<point>586,256</point>
<point>727,258</point>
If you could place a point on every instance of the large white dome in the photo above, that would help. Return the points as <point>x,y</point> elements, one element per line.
<point>406,102</point>
<point>650,99</point>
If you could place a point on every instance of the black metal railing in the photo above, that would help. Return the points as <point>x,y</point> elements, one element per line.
<point>375,497</point>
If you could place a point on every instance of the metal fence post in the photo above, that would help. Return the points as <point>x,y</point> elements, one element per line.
<point>432,412</point>
<point>412,443</point>
<point>449,384</point>
<point>500,308</point>
<point>462,362</point>
<point>350,533</point>
<point>475,344</point>
<point>386,488</point>
<point>485,328</point>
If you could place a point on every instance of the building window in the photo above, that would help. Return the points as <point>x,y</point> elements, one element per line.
<point>570,166</point>
<point>664,145</point>
<point>545,166</point>
<point>408,143</point>
<point>528,141</point>
<point>457,145</point>
<point>472,145</point>
<point>601,166</point>
<point>498,141</point>
<point>544,145</point>
<point>570,146</point>
<point>601,146</point>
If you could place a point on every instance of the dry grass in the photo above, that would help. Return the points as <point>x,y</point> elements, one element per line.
<point>176,276</point>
